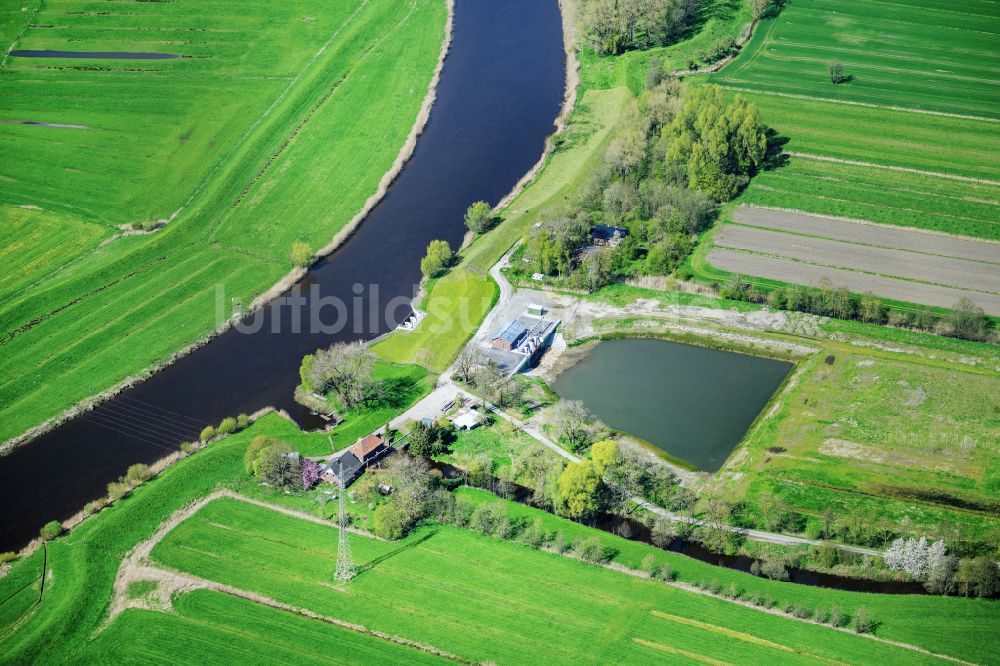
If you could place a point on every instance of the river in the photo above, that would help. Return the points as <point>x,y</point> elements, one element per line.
<point>500,91</point>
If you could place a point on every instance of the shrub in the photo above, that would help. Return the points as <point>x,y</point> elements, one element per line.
<point>755,599</point>
<point>838,618</point>
<point>732,591</point>
<point>439,256</point>
<point>559,542</point>
<point>714,586</point>
<point>242,421</point>
<point>187,447</point>
<point>227,426</point>
<point>207,434</point>
<point>768,602</point>
<point>863,623</point>
<point>666,573</point>
<point>90,507</point>
<point>389,521</point>
<point>649,565</point>
<point>118,490</point>
<point>594,550</point>
<point>301,254</point>
<point>8,556</point>
<point>801,611</point>
<point>774,569</point>
<point>138,473</point>
<point>50,530</point>
<point>822,615</point>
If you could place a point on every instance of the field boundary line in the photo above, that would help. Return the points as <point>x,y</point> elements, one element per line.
<point>848,102</point>
<point>891,167</point>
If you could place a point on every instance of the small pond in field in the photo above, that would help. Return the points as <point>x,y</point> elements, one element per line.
<point>693,402</point>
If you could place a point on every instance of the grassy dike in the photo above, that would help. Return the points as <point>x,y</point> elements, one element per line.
<point>427,578</point>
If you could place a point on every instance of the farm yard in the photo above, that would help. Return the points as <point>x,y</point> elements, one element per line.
<point>908,139</point>
<point>218,143</point>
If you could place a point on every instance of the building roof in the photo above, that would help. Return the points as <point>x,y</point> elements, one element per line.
<point>349,464</point>
<point>364,447</point>
<point>467,420</point>
<point>606,232</point>
<point>512,332</point>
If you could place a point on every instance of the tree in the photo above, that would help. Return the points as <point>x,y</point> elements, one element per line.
<point>574,423</point>
<point>437,260</point>
<point>835,68</point>
<point>50,530</point>
<point>626,151</point>
<point>662,532</point>
<point>470,358</point>
<point>347,369</point>
<point>872,309</point>
<point>941,576</point>
<point>603,454</point>
<point>978,577</point>
<point>760,8</point>
<point>915,556</point>
<point>257,444</point>
<point>967,321</point>
<point>301,254</point>
<point>310,473</point>
<point>279,465</point>
<point>305,372</point>
<point>499,386</point>
<point>597,268</point>
<point>227,426</point>
<point>427,440</point>
<point>389,521</point>
<point>478,217</point>
<point>579,489</point>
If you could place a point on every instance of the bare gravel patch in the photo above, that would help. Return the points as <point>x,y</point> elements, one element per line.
<point>869,234</point>
<point>949,271</point>
<point>789,270</point>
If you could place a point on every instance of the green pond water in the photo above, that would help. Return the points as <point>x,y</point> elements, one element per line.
<point>694,403</point>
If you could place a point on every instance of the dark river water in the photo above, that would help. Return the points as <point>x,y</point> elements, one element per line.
<point>499,94</point>
<point>693,402</point>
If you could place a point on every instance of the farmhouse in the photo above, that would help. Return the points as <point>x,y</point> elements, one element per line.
<point>603,235</point>
<point>347,464</point>
<point>356,459</point>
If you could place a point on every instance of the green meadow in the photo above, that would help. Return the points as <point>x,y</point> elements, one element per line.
<point>470,594</point>
<point>265,109</point>
<point>927,55</point>
<point>430,588</point>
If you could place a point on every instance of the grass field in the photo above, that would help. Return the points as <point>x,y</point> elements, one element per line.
<point>227,138</point>
<point>880,195</point>
<point>928,55</point>
<point>210,627</point>
<point>880,436</point>
<point>560,610</point>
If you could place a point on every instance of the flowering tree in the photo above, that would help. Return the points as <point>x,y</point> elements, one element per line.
<point>916,557</point>
<point>310,473</point>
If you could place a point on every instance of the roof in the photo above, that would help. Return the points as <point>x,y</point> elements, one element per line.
<point>512,332</point>
<point>363,447</point>
<point>607,232</point>
<point>468,420</point>
<point>348,463</point>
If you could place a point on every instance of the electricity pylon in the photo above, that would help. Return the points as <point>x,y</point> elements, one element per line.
<point>345,563</point>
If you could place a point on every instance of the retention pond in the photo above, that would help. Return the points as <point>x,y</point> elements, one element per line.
<point>692,402</point>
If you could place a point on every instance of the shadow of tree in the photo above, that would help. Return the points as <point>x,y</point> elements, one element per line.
<point>775,157</point>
